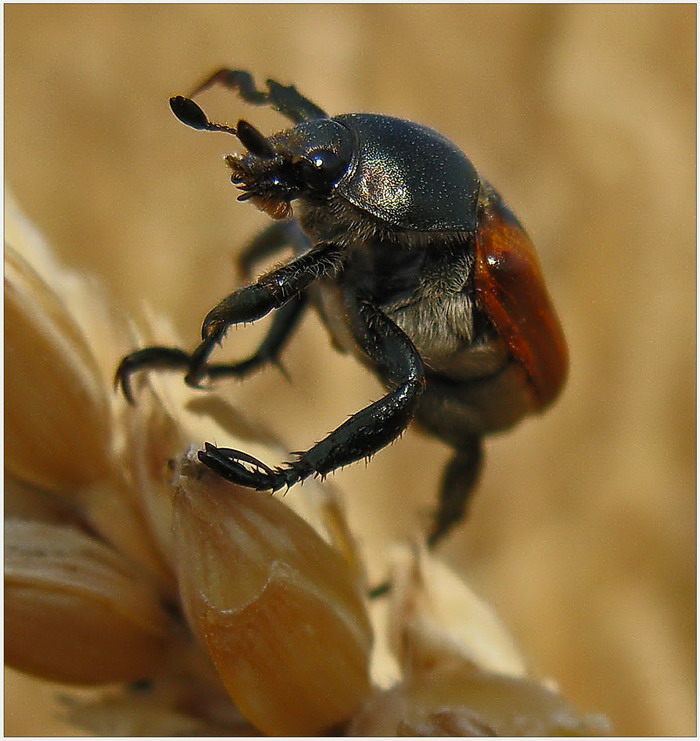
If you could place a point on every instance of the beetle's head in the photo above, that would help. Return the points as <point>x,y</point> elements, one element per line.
<point>306,161</point>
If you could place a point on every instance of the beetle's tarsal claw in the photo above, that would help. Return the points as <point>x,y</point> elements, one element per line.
<point>122,380</point>
<point>231,465</point>
<point>150,357</point>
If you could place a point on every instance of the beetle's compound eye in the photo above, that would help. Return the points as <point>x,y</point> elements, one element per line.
<point>322,168</point>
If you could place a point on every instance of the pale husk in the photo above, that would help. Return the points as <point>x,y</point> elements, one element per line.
<point>75,610</point>
<point>278,609</point>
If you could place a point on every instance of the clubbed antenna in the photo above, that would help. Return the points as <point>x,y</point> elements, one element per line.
<point>187,111</point>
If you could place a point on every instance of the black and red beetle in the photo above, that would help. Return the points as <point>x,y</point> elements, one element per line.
<point>415,265</point>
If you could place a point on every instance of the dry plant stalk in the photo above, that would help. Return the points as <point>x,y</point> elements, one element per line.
<point>199,607</point>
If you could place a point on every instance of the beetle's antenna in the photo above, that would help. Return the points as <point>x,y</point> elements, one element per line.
<point>187,111</point>
<point>254,141</point>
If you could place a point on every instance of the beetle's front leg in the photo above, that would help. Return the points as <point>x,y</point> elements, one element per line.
<point>273,290</point>
<point>363,434</point>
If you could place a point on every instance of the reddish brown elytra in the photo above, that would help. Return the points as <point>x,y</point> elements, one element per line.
<point>511,290</point>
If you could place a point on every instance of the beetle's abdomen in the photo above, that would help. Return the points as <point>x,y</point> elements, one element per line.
<point>455,411</point>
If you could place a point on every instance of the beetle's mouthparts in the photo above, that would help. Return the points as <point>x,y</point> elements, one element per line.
<point>258,188</point>
<point>275,208</point>
<point>244,176</point>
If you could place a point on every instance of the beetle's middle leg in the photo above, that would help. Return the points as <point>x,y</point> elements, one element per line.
<point>282,288</point>
<point>363,434</point>
<point>283,325</point>
<point>270,241</point>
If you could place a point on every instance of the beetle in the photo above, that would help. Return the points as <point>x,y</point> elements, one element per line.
<point>415,265</point>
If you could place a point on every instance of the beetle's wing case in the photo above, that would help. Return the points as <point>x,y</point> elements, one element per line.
<point>409,176</point>
<point>510,289</point>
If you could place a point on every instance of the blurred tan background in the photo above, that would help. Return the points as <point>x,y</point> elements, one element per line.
<point>583,531</point>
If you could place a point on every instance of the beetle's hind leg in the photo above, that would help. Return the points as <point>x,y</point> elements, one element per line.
<point>284,98</point>
<point>458,483</point>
